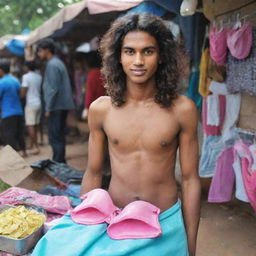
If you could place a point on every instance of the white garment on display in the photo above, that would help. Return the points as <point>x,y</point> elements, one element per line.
<point>233,102</point>
<point>252,149</point>
<point>213,110</point>
<point>218,88</point>
<point>240,189</point>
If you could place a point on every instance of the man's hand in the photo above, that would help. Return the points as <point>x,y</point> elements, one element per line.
<point>85,114</point>
<point>47,114</point>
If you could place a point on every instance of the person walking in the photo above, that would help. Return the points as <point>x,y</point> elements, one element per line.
<point>57,97</point>
<point>31,89</point>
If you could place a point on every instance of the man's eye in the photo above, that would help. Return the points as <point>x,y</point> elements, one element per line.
<point>129,51</point>
<point>148,52</point>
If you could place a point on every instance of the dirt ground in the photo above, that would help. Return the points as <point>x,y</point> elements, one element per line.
<point>225,229</point>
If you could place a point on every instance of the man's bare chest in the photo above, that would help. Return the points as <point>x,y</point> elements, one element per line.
<point>145,129</point>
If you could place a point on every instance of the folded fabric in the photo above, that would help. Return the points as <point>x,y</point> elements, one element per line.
<point>55,204</point>
<point>139,219</point>
<point>68,238</point>
<point>239,41</point>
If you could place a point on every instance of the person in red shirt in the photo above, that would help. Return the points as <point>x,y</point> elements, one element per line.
<point>94,83</point>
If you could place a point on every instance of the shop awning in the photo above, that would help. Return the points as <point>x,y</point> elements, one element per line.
<point>101,6</point>
<point>56,22</point>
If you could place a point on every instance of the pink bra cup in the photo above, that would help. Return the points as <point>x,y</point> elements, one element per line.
<point>239,41</point>
<point>96,208</point>
<point>218,45</point>
<point>138,219</point>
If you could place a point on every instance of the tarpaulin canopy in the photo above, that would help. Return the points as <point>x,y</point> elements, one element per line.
<point>12,45</point>
<point>101,6</point>
<point>80,22</point>
<point>56,22</point>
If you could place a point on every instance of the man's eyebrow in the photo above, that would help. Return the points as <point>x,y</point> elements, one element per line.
<point>147,47</point>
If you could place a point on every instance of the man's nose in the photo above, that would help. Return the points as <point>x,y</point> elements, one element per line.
<point>139,60</point>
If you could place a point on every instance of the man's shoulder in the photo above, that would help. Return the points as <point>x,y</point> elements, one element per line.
<point>98,110</point>
<point>183,103</point>
<point>101,104</point>
<point>55,62</point>
<point>185,110</point>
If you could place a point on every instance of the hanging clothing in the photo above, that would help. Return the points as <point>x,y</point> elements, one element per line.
<point>211,148</point>
<point>222,184</point>
<point>218,45</point>
<point>232,109</point>
<point>249,178</point>
<point>204,80</point>
<point>212,129</point>
<point>240,188</point>
<point>239,41</point>
<point>213,110</point>
<point>241,74</point>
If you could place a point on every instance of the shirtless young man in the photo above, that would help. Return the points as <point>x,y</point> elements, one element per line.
<point>144,121</point>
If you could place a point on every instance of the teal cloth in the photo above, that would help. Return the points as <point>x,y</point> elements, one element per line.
<point>71,239</point>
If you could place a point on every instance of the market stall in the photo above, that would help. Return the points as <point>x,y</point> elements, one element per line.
<point>227,85</point>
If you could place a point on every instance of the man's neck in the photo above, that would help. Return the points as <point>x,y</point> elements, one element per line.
<point>49,56</point>
<point>140,92</point>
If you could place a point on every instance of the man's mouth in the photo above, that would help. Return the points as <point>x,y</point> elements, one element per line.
<point>138,71</point>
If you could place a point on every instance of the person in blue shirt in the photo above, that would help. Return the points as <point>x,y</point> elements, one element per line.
<point>11,110</point>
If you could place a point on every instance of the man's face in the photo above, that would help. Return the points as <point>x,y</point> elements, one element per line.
<point>42,53</point>
<point>139,57</point>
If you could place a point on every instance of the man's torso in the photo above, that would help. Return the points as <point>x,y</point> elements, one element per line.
<point>10,101</point>
<point>142,140</point>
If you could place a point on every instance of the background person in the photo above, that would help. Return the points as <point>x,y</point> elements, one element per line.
<point>31,89</point>
<point>57,97</point>
<point>11,110</point>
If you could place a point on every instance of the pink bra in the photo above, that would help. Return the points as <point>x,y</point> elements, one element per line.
<point>138,219</point>
<point>238,41</point>
<point>218,45</point>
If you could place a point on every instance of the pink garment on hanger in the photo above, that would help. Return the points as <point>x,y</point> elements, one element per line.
<point>239,41</point>
<point>249,177</point>
<point>218,45</point>
<point>139,219</point>
<point>222,184</point>
<point>211,129</point>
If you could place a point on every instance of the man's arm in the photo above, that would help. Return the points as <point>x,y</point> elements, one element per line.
<point>52,81</point>
<point>93,176</point>
<point>24,86</point>
<point>191,189</point>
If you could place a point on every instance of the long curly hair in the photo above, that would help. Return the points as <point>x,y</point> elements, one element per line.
<point>168,72</point>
